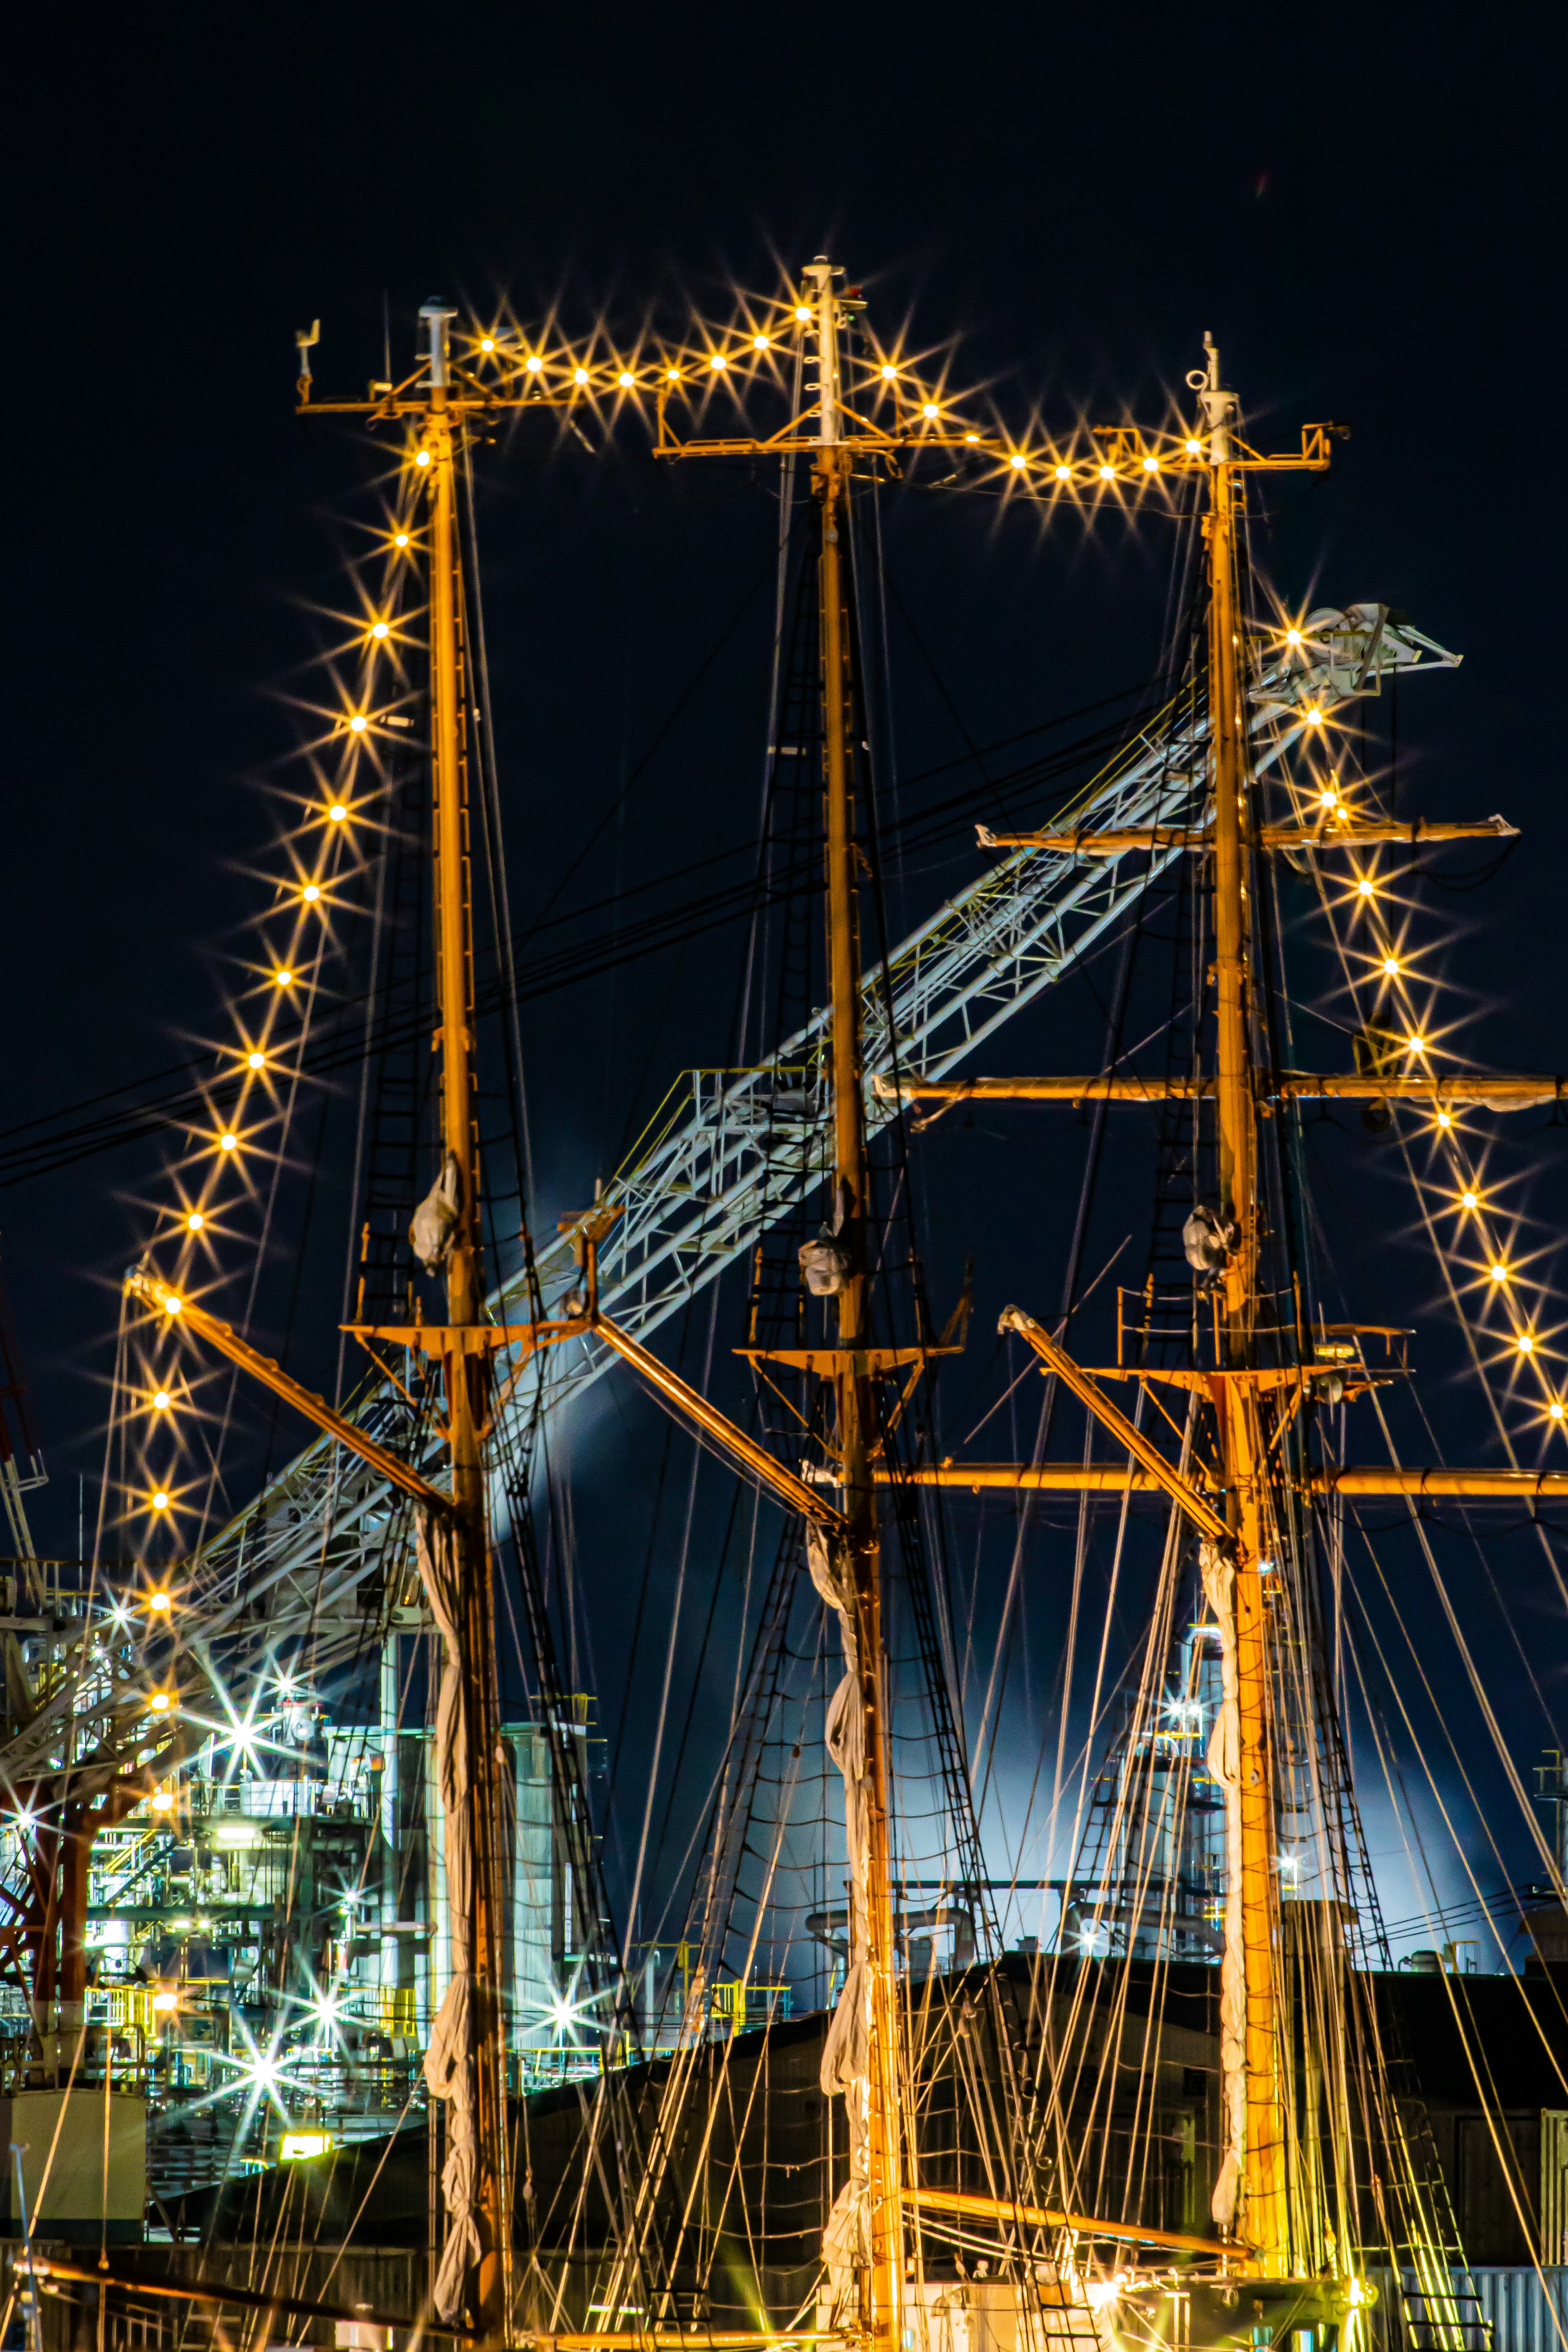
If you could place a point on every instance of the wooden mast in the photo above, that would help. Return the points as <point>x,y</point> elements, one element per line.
<point>1264,2211</point>
<point>466,1357</point>
<point>883,2291</point>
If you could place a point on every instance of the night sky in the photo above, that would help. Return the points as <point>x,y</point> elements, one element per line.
<point>1365,210</point>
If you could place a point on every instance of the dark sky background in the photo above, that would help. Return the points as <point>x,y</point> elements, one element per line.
<point>1366,212</point>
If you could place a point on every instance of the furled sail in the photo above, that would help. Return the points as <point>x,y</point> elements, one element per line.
<point>451,2063</point>
<point>1224,1763</point>
<point>846,2053</point>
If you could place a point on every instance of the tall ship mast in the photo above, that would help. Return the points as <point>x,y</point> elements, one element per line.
<point>606,2117</point>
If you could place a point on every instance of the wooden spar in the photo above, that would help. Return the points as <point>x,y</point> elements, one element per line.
<point>1144,1450</point>
<point>743,1450</point>
<point>227,1341</point>
<point>1119,1479</point>
<point>1117,841</point>
<point>1440,1091</point>
<point>971,2206</point>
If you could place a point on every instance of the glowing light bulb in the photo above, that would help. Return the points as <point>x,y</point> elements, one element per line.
<point>930,409</point>
<point>379,629</point>
<point>1468,1199</point>
<point>160,1704</point>
<point>1391,967</point>
<point>1151,465</point>
<point>890,374</point>
<point>579,375</point>
<point>284,979</point>
<point>1195,449</point>
<point>803,314</point>
<point>358,723</point>
<point>971,437</point>
<point>161,1502</point>
<point>1367,888</point>
<point>1415,1044</point>
<point>761,343</point>
<point>671,375</point>
<point>1555,1410</point>
<point>163,1801</point>
<point>194,1222</point>
<point>256,1061</point>
<point>718,363</point>
<point>1525,1343</point>
<point>486,343</point>
<point>533,364</point>
<point>162,1400</point>
<point>1064,473</point>
<point>310,893</point>
<point>626,379</point>
<point>1292,636</point>
<point>169,1304</point>
<point>1314,718</point>
<point>228,1143</point>
<point>1329,797</point>
<point>1018,461</point>
<point>1445,1119</point>
<point>160,1604</point>
<point>337,813</point>
<point>399,539</point>
<point>1107,473</point>
<point>422,457</point>
<point>1500,1274</point>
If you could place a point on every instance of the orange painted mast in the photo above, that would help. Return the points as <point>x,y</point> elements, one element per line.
<point>882,2297</point>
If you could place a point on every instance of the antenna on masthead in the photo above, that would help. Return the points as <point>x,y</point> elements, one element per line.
<point>438,313</point>
<point>819,275</point>
<point>1219,406</point>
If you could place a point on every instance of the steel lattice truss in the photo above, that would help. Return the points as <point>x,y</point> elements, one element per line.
<point>730,1154</point>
